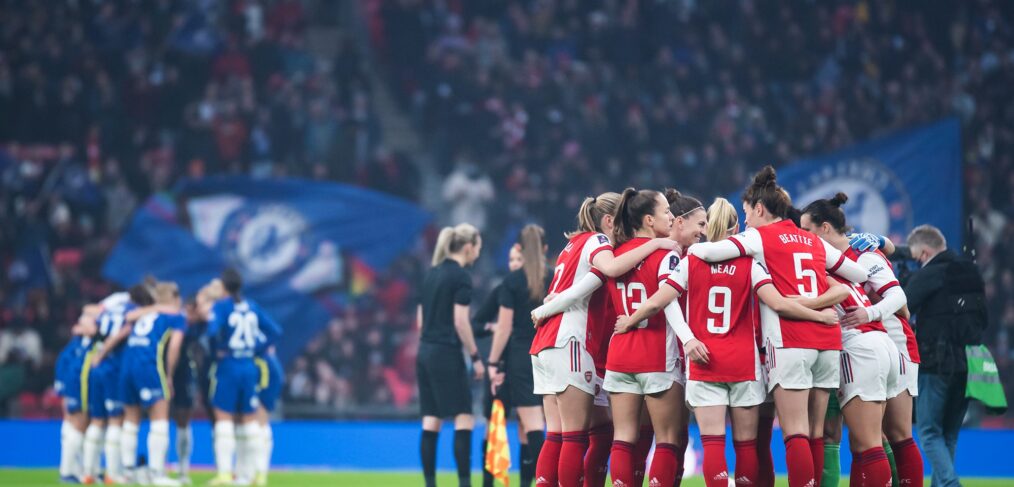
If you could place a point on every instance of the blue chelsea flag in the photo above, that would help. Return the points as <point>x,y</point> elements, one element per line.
<point>893,183</point>
<point>288,238</point>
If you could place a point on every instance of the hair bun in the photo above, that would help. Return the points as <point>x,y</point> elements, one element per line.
<point>765,177</point>
<point>839,199</point>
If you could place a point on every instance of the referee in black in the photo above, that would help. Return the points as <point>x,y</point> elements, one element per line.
<point>510,364</point>
<point>444,387</point>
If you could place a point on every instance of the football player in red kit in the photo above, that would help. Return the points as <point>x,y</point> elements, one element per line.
<point>642,362</point>
<point>873,367</point>
<point>802,355</point>
<point>568,352</point>
<point>719,339</point>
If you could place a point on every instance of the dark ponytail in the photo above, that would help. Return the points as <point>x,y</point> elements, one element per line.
<point>829,211</point>
<point>765,190</point>
<point>680,205</point>
<point>630,213</point>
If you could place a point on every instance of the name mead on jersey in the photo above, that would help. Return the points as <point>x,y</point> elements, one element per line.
<point>729,269</point>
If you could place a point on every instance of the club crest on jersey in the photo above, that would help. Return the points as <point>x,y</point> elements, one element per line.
<point>265,241</point>
<point>588,377</point>
<point>878,201</point>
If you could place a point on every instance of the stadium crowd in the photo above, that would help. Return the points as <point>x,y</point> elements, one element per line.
<point>543,101</point>
<point>552,100</point>
<point>103,104</point>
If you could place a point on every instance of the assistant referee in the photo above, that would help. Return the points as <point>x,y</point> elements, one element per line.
<point>444,388</point>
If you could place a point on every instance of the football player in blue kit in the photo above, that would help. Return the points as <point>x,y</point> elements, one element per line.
<point>272,377</point>
<point>238,330</point>
<point>104,403</point>
<point>67,384</point>
<point>149,362</point>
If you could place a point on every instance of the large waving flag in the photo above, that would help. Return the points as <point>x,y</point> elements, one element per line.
<point>893,182</point>
<point>289,239</point>
<point>498,452</point>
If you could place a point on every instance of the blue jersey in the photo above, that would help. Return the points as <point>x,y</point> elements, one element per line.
<point>110,322</point>
<point>240,329</point>
<point>149,337</point>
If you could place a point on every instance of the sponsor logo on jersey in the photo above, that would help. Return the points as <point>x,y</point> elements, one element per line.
<point>878,200</point>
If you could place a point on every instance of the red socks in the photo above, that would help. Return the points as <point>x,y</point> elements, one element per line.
<point>856,471</point>
<point>663,465</point>
<point>641,453</point>
<point>909,462</point>
<point>596,460</point>
<point>746,462</point>
<point>571,467</point>
<point>817,451</point>
<point>800,461</point>
<point>549,459</point>
<point>621,459</point>
<point>876,470</point>
<point>716,473</point>
<point>765,463</point>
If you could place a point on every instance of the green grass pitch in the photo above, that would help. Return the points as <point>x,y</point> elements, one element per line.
<point>48,477</point>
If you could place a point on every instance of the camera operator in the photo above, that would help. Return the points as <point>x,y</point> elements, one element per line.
<point>947,298</point>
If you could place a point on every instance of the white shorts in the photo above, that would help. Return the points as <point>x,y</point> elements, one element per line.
<point>908,378</point>
<point>643,383</point>
<point>801,368</point>
<point>733,394</point>
<point>869,367</point>
<point>556,369</point>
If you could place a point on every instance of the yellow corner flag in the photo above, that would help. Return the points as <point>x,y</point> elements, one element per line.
<point>498,452</point>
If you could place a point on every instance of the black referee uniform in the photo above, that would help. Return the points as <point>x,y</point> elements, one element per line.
<point>444,387</point>
<point>514,295</point>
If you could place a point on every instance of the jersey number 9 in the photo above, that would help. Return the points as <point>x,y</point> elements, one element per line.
<point>719,309</point>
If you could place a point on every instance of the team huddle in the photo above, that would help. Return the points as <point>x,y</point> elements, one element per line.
<point>142,351</point>
<point>658,307</point>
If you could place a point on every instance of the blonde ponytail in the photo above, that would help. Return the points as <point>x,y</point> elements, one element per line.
<point>722,218</point>
<point>589,216</point>
<point>452,239</point>
<point>534,267</point>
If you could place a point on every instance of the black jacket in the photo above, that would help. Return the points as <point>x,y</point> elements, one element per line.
<point>947,299</point>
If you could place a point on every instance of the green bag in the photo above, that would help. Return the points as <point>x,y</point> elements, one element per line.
<point>984,379</point>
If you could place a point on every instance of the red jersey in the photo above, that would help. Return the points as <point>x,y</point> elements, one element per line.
<point>576,323</point>
<point>857,298</point>
<point>601,321</point>
<point>721,315</point>
<point>797,261</point>
<point>880,278</point>
<point>651,345</point>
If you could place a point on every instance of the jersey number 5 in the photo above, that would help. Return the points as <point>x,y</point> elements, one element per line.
<point>804,273</point>
<point>244,330</point>
<point>630,304</point>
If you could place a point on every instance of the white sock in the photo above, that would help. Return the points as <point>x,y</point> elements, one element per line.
<point>70,447</point>
<point>128,445</point>
<point>254,445</point>
<point>184,448</point>
<point>158,446</point>
<point>113,461</point>
<point>264,459</point>
<point>241,457</point>
<point>92,450</point>
<point>225,446</point>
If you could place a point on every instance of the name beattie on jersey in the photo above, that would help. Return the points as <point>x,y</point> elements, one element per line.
<point>792,238</point>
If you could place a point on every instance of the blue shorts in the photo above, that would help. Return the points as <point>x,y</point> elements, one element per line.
<point>141,383</point>
<point>271,379</point>
<point>104,399</point>
<point>183,385</point>
<point>68,383</point>
<point>234,385</point>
